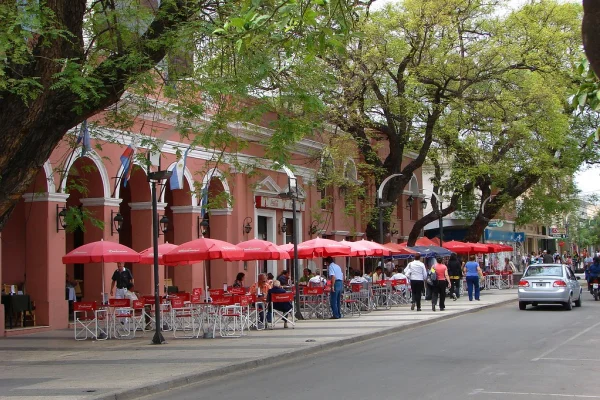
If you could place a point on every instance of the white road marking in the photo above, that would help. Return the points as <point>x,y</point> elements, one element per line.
<point>573,396</point>
<point>570,359</point>
<point>583,332</point>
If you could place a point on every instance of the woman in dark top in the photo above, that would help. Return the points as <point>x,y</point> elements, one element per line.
<point>239,280</point>
<point>455,272</point>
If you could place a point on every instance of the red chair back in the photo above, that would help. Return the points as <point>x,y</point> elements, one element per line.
<point>119,302</point>
<point>197,291</point>
<point>313,291</point>
<point>138,304</point>
<point>282,297</point>
<point>196,298</point>
<point>85,306</point>
<point>237,290</point>
<point>356,287</point>
<point>399,282</point>
<point>177,302</point>
<point>216,293</point>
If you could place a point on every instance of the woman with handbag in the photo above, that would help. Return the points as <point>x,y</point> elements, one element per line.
<point>440,281</point>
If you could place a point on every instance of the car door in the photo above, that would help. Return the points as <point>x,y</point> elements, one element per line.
<point>574,283</point>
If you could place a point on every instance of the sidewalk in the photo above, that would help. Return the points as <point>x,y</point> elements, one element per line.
<point>52,365</point>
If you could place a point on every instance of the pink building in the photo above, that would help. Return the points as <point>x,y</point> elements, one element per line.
<point>33,241</point>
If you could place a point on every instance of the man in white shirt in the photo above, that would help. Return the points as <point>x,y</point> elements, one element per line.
<point>357,278</point>
<point>316,280</point>
<point>417,273</point>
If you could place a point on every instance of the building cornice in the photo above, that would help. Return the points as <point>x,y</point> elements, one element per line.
<point>146,205</point>
<point>186,209</point>
<point>48,197</point>
<point>101,201</point>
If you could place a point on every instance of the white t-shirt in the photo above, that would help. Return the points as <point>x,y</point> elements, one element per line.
<point>317,280</point>
<point>397,276</point>
<point>416,271</point>
<point>358,279</point>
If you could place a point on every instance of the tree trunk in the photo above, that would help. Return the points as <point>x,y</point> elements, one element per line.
<point>419,225</point>
<point>590,29</point>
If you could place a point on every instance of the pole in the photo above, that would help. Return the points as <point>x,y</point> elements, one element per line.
<point>158,337</point>
<point>379,203</point>
<point>441,223</point>
<point>296,266</point>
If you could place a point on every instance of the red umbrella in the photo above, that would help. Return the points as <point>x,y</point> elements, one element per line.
<point>458,247</point>
<point>400,248</point>
<point>101,251</point>
<point>358,249</point>
<point>321,248</point>
<point>424,241</point>
<point>498,248</point>
<point>257,249</point>
<point>479,247</point>
<point>378,249</point>
<point>147,256</point>
<point>203,249</point>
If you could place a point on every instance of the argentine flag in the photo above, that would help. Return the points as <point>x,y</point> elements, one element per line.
<point>177,177</point>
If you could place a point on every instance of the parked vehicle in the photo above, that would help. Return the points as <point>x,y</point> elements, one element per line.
<point>549,284</point>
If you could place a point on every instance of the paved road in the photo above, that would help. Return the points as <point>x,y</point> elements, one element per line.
<point>500,353</point>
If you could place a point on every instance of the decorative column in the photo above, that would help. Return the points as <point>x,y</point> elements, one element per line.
<point>95,274</point>
<point>221,226</point>
<point>141,239</point>
<point>185,224</point>
<point>44,270</point>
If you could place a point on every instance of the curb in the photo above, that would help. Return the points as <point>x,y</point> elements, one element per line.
<point>193,378</point>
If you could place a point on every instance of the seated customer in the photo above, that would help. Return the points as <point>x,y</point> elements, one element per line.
<point>281,307</point>
<point>239,280</point>
<point>284,278</point>
<point>130,294</point>
<point>378,275</point>
<point>317,280</point>
<point>358,278</point>
<point>307,274</point>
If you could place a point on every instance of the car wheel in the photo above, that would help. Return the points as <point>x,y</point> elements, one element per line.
<point>578,301</point>
<point>522,305</point>
<point>569,304</point>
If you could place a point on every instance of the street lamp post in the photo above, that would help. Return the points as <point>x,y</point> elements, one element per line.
<point>380,205</point>
<point>440,218</point>
<point>490,197</point>
<point>293,194</point>
<point>154,178</point>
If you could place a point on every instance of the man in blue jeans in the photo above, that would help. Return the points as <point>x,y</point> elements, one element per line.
<point>337,285</point>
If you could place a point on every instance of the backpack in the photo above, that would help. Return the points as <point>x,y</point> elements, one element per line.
<point>432,276</point>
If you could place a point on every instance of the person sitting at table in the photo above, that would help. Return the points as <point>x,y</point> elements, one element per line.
<point>316,280</point>
<point>239,280</point>
<point>358,278</point>
<point>270,279</point>
<point>131,294</point>
<point>260,289</point>
<point>306,275</point>
<point>284,278</point>
<point>378,275</point>
<point>282,307</point>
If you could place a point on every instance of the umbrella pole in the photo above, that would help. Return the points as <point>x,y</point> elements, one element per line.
<point>103,279</point>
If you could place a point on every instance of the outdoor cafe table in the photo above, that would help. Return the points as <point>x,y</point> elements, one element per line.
<point>14,305</point>
<point>493,281</point>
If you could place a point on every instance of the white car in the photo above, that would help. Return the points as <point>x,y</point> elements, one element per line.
<point>549,284</point>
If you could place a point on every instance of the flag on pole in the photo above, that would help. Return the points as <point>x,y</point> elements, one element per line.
<point>204,201</point>
<point>127,162</point>
<point>178,171</point>
<point>84,137</point>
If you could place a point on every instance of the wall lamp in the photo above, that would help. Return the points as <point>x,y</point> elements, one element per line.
<point>246,227</point>
<point>164,225</point>
<point>116,222</point>
<point>282,225</point>
<point>61,213</point>
<point>203,226</point>
<point>409,202</point>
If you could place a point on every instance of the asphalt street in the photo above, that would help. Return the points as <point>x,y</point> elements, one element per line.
<point>499,353</point>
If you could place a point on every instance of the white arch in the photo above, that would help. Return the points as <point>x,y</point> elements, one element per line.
<point>350,168</point>
<point>216,173</point>
<point>414,185</point>
<point>190,180</point>
<point>49,177</point>
<point>92,155</point>
<point>120,172</point>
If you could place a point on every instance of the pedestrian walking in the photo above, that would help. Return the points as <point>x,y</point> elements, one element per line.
<point>440,285</point>
<point>455,272</point>
<point>337,280</point>
<point>472,272</point>
<point>417,273</point>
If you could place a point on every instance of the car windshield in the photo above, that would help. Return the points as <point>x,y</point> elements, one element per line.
<point>544,270</point>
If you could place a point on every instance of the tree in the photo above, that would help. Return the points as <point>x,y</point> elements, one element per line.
<point>64,61</point>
